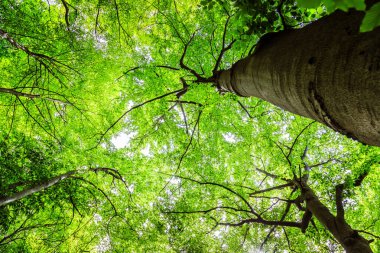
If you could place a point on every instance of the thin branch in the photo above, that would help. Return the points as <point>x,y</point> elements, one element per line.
<point>287,240</point>
<point>97,188</point>
<point>224,187</point>
<point>262,221</point>
<point>140,67</point>
<point>224,47</point>
<point>187,148</point>
<point>208,210</point>
<point>275,198</point>
<point>66,14</point>
<point>181,61</point>
<point>369,233</point>
<point>133,108</point>
<point>118,20</point>
<point>271,175</point>
<point>36,121</point>
<point>184,117</point>
<point>29,95</point>
<point>283,153</point>
<point>97,20</point>
<point>245,109</point>
<point>321,163</point>
<point>245,237</point>
<point>38,186</point>
<point>186,102</point>
<point>271,189</point>
<point>295,140</point>
<point>286,211</point>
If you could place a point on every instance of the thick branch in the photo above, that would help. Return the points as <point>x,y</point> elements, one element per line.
<point>306,218</point>
<point>339,202</point>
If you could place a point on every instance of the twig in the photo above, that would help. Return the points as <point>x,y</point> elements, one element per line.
<point>224,187</point>
<point>224,47</point>
<point>271,189</point>
<point>186,150</point>
<point>133,108</point>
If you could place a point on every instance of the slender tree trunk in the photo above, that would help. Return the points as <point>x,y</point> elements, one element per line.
<point>41,185</point>
<point>36,188</point>
<point>351,241</point>
<point>326,71</point>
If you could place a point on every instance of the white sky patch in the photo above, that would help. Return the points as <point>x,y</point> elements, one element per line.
<point>50,2</point>
<point>97,218</point>
<point>131,188</point>
<point>115,191</point>
<point>230,138</point>
<point>174,180</point>
<point>104,244</point>
<point>138,81</point>
<point>122,139</point>
<point>145,53</point>
<point>101,42</point>
<point>146,151</point>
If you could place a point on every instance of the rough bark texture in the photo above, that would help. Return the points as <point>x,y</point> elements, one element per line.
<point>351,241</point>
<point>326,71</point>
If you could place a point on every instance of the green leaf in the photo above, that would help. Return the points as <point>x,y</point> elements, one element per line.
<point>309,3</point>
<point>371,19</point>
<point>344,5</point>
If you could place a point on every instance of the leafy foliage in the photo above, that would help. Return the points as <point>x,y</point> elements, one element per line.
<point>371,18</point>
<point>114,91</point>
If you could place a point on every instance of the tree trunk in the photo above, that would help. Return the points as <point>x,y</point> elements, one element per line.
<point>36,188</point>
<point>350,240</point>
<point>326,71</point>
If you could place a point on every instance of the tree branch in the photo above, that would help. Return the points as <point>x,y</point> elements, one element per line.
<point>224,47</point>
<point>339,202</point>
<point>264,222</point>
<point>271,189</point>
<point>187,148</point>
<point>133,108</point>
<point>208,210</point>
<point>224,187</point>
<point>66,14</point>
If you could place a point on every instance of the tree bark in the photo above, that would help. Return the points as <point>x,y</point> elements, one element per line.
<point>42,185</point>
<point>326,71</point>
<point>351,241</point>
<point>36,188</point>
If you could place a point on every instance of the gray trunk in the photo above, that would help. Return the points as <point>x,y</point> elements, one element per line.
<point>35,188</point>
<point>350,240</point>
<point>326,71</point>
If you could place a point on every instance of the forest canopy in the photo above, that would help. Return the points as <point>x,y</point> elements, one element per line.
<point>118,132</point>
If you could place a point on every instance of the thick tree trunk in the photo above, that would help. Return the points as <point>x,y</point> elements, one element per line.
<point>351,241</point>
<point>326,71</point>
